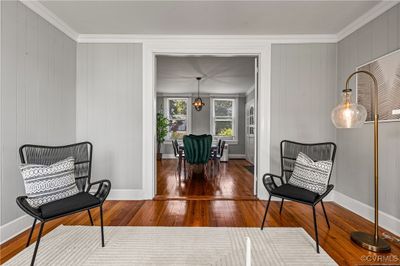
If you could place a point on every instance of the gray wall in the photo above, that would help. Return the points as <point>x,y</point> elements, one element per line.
<point>201,120</point>
<point>303,93</point>
<point>240,148</point>
<point>201,124</point>
<point>355,146</point>
<point>38,67</point>
<point>250,96</point>
<point>109,110</point>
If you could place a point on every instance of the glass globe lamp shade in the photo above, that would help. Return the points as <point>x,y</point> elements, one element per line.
<point>348,114</point>
<point>198,104</point>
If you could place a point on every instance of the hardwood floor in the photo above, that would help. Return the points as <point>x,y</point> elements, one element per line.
<point>200,204</point>
<point>233,181</point>
<point>230,213</point>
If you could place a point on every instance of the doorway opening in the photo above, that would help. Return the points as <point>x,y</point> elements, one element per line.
<point>228,88</point>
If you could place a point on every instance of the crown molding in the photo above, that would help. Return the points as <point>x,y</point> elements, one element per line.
<point>373,13</point>
<point>140,38</point>
<point>50,17</point>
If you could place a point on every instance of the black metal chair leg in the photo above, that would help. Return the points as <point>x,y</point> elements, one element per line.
<point>179,171</point>
<point>326,216</point>
<point>30,234</point>
<point>266,211</point>
<point>90,217</point>
<point>315,229</point>
<point>101,222</point>
<point>37,244</point>
<point>280,210</point>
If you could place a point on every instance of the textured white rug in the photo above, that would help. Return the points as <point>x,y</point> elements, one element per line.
<point>125,245</point>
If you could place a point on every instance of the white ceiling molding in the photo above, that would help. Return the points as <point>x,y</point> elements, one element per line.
<point>50,17</point>
<point>139,38</point>
<point>373,13</point>
<point>44,12</point>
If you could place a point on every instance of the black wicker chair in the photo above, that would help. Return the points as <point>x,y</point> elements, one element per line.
<point>46,155</point>
<point>289,152</point>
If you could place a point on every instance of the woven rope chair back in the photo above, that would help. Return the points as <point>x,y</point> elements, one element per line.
<point>46,155</point>
<point>316,151</point>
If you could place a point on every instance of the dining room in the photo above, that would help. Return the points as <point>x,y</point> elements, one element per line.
<point>206,127</point>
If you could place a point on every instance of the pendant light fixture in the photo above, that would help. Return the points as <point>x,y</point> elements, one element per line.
<point>198,102</point>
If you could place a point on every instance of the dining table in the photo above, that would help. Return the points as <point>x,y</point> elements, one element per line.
<point>181,149</point>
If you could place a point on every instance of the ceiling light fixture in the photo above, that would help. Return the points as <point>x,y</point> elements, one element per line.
<point>198,102</point>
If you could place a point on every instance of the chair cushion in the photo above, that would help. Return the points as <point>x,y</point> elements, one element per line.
<point>77,202</point>
<point>313,176</point>
<point>296,193</point>
<point>46,183</point>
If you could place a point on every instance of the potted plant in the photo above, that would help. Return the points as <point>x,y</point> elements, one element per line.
<point>162,131</point>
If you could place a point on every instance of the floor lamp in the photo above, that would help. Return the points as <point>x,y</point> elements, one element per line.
<point>353,115</point>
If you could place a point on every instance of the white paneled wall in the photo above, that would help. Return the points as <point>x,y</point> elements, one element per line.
<point>355,146</point>
<point>109,110</point>
<point>302,95</point>
<point>37,94</point>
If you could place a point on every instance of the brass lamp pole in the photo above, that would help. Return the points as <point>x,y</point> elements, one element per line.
<point>351,115</point>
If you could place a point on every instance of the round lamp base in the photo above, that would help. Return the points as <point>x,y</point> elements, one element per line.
<point>367,241</point>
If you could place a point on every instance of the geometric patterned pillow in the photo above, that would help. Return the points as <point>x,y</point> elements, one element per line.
<point>47,183</point>
<point>310,175</point>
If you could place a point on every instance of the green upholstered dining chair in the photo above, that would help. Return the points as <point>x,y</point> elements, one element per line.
<point>197,149</point>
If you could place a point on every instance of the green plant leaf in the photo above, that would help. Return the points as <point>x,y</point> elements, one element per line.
<point>162,127</point>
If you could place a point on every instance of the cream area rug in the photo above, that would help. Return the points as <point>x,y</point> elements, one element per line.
<point>128,245</point>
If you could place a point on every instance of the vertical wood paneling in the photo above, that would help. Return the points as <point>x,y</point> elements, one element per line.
<point>8,103</point>
<point>355,147</point>
<point>109,110</point>
<point>303,94</point>
<point>38,93</point>
<point>1,105</point>
<point>393,25</point>
<point>398,23</point>
<point>380,37</point>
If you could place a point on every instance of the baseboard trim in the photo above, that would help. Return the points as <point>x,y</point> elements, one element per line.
<point>168,156</point>
<point>386,221</point>
<point>237,156</point>
<point>330,196</point>
<point>15,227</point>
<point>127,194</point>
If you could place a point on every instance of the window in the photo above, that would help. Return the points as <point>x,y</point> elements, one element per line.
<point>178,113</point>
<point>250,121</point>
<point>224,119</point>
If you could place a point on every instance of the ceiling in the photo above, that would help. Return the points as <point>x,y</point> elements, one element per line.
<point>208,17</point>
<point>220,75</point>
